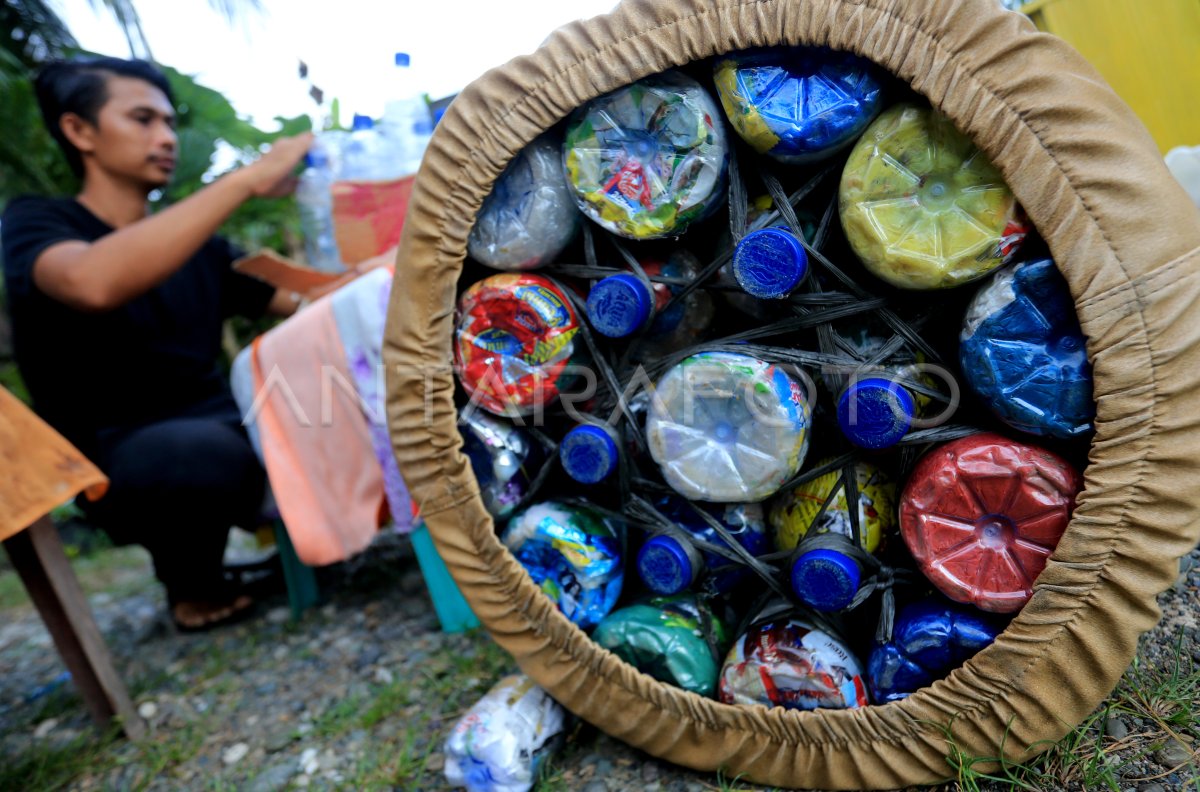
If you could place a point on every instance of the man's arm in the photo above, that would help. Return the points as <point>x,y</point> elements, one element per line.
<point>120,266</point>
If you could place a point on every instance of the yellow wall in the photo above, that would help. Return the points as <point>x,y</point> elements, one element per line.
<point>1147,50</point>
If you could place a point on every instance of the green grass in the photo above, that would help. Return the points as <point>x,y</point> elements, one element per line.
<point>1168,696</point>
<point>52,767</point>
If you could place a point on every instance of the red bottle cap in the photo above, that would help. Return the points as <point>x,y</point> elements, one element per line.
<point>982,514</point>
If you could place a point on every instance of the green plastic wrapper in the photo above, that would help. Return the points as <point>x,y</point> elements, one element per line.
<point>665,638</point>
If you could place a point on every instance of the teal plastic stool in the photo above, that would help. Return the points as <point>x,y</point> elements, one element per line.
<point>452,609</point>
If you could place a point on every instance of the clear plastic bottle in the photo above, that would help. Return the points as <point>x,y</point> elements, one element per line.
<point>362,151</point>
<point>407,123</point>
<point>315,200</point>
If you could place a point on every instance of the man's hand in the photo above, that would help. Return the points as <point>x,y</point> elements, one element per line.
<point>270,176</point>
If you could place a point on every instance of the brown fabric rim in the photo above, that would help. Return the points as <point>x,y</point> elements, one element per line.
<point>1121,229</point>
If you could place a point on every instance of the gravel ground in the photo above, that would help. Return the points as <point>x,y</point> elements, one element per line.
<point>361,693</point>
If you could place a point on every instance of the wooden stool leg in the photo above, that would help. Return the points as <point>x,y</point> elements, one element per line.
<point>37,555</point>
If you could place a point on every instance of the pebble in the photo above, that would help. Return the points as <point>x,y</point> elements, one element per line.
<point>147,709</point>
<point>44,728</point>
<point>274,778</point>
<point>309,762</point>
<point>280,738</point>
<point>1115,727</point>
<point>235,753</point>
<point>1173,754</point>
<point>1152,788</point>
<point>384,676</point>
<point>279,615</point>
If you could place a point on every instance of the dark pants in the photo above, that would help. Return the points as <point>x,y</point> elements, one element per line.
<point>177,486</point>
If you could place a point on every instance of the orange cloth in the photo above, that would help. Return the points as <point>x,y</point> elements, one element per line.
<point>41,469</point>
<point>315,440</point>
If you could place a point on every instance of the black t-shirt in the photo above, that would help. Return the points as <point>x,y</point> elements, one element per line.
<point>139,363</point>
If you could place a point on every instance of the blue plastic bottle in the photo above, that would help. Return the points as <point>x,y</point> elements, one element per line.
<point>875,412</point>
<point>590,452</point>
<point>770,263</point>
<point>670,564</point>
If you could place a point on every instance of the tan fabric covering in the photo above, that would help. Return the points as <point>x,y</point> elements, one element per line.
<point>39,469</point>
<point>1122,230</point>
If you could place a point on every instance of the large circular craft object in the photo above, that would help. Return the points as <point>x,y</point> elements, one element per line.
<point>727,428</point>
<point>1121,230</point>
<point>922,207</point>
<point>649,159</point>
<point>798,104</point>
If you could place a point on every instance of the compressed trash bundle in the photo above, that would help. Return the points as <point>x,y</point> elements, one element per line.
<point>530,215</point>
<point>673,639</point>
<point>504,738</point>
<point>647,160</point>
<point>1021,101</point>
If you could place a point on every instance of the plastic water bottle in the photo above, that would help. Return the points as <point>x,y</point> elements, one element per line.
<point>827,571</point>
<point>315,200</point>
<point>770,263</point>
<point>361,152</point>
<point>407,122</point>
<point>671,563</point>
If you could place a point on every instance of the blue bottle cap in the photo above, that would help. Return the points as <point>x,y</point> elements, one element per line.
<point>769,263</point>
<point>875,412</point>
<point>619,305</point>
<point>665,565</point>
<point>361,122</point>
<point>402,59</point>
<point>825,579</point>
<point>589,454</point>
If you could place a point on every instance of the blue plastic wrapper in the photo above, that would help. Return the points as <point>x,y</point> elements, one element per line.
<point>573,554</point>
<point>798,104</point>
<point>504,459</point>
<point>931,638</point>
<point>1024,354</point>
<point>668,565</point>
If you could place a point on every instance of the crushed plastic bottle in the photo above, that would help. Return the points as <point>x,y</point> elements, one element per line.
<point>798,104</point>
<point>503,739</point>
<point>673,639</point>
<point>649,159</point>
<point>826,578</point>
<point>515,343</point>
<point>670,563</point>
<point>788,662</point>
<point>981,515</point>
<point>530,215</point>
<point>1023,353</point>
<point>922,207</point>
<point>728,428</point>
<point>931,638</point>
<point>503,458</point>
<point>573,553</point>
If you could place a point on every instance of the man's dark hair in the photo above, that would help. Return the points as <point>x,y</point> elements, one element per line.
<point>79,86</point>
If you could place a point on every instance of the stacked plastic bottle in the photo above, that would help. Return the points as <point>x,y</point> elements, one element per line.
<point>928,504</point>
